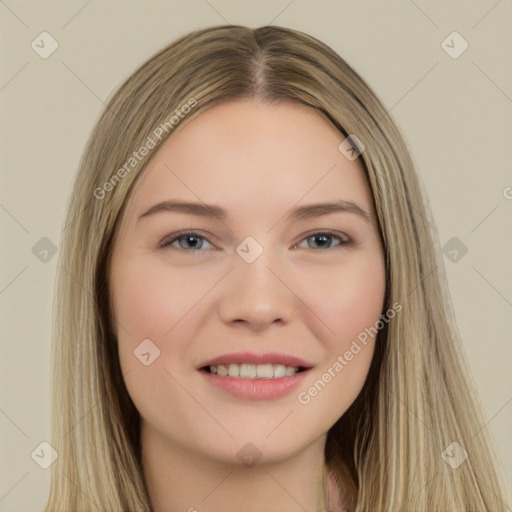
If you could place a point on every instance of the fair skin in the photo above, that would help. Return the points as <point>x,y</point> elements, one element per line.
<point>197,298</point>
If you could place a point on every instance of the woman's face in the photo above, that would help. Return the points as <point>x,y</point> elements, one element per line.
<point>270,281</point>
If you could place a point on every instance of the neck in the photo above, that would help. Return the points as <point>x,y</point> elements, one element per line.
<point>183,480</point>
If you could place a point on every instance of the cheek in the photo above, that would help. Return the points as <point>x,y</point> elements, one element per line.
<point>350,308</point>
<point>150,300</point>
<point>150,303</point>
<point>349,299</point>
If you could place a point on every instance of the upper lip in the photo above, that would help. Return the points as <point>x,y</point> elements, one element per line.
<point>258,358</point>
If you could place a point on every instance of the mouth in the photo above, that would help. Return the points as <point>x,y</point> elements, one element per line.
<point>247,365</point>
<point>254,371</point>
<point>255,376</point>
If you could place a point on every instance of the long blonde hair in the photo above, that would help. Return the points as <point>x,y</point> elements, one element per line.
<point>386,450</point>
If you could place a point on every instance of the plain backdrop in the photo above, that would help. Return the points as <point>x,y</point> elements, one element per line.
<point>453,108</point>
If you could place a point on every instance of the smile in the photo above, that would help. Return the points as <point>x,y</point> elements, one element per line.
<point>253,371</point>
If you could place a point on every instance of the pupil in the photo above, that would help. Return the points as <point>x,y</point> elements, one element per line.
<point>192,241</point>
<point>323,240</point>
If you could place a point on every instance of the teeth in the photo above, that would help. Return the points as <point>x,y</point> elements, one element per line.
<point>279,370</point>
<point>290,371</point>
<point>254,371</point>
<point>222,370</point>
<point>264,371</point>
<point>233,370</point>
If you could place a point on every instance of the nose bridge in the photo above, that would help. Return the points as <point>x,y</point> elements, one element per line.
<point>256,293</point>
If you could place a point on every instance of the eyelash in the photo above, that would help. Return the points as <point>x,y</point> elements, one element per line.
<point>168,240</point>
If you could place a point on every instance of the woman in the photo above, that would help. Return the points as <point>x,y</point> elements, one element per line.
<point>249,312</point>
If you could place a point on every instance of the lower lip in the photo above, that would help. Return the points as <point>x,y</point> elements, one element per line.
<point>256,389</point>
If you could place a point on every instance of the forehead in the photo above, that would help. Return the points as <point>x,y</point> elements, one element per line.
<point>247,151</point>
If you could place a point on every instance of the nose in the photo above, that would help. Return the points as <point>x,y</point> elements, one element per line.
<point>256,295</point>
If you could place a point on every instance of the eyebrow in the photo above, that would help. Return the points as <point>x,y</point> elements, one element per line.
<point>299,213</point>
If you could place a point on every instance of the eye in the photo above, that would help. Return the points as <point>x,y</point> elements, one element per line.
<point>324,240</point>
<point>186,241</point>
<point>192,241</point>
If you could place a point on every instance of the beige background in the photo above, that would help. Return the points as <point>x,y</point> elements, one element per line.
<point>455,114</point>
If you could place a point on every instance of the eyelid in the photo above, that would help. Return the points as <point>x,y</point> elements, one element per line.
<point>345,240</point>
<point>169,239</point>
